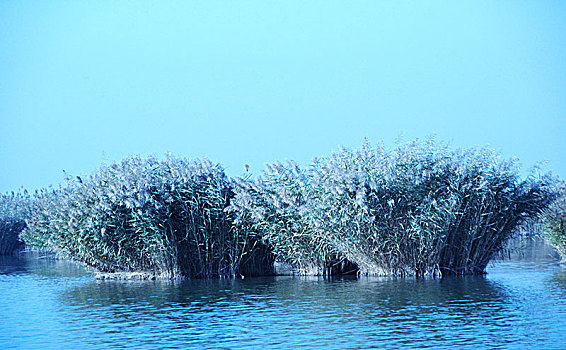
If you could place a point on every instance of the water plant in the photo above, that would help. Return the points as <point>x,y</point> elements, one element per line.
<point>15,208</point>
<point>275,207</point>
<point>420,209</point>
<point>554,219</point>
<point>166,217</point>
<point>10,229</point>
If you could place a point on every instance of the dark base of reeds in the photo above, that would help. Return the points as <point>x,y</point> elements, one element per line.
<point>464,271</point>
<point>337,267</point>
<point>10,229</point>
<point>133,276</point>
<point>283,269</point>
<point>345,267</point>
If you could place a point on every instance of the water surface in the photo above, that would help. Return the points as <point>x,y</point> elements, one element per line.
<point>51,304</point>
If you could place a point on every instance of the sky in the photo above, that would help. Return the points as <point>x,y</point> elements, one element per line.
<point>84,83</point>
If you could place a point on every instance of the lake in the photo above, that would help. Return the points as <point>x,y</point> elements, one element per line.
<point>47,303</point>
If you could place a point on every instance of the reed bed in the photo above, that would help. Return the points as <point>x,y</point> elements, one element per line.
<point>10,229</point>
<point>15,208</point>
<point>554,219</point>
<point>164,217</point>
<point>420,209</point>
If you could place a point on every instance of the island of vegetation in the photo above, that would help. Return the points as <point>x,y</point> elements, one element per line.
<point>421,209</point>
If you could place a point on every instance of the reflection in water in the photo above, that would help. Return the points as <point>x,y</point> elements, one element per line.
<point>13,264</point>
<point>39,263</point>
<point>558,280</point>
<point>292,311</point>
<point>532,249</point>
<point>52,304</point>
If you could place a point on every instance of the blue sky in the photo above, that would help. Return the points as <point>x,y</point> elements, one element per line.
<point>252,82</point>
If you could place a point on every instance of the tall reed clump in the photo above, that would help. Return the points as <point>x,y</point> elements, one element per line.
<point>165,217</point>
<point>421,209</point>
<point>14,210</point>
<point>276,208</point>
<point>554,219</point>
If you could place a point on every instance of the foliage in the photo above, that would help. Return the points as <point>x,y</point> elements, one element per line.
<point>421,209</point>
<point>275,207</point>
<point>165,216</point>
<point>15,205</point>
<point>554,219</point>
<point>10,229</point>
<point>15,208</point>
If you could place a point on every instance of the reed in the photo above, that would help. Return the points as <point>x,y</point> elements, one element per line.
<point>166,217</point>
<point>15,208</point>
<point>420,209</point>
<point>274,207</point>
<point>554,219</point>
<point>10,229</point>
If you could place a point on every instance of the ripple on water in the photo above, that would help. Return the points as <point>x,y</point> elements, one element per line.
<point>519,304</point>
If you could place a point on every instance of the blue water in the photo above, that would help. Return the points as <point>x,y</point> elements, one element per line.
<point>53,304</point>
